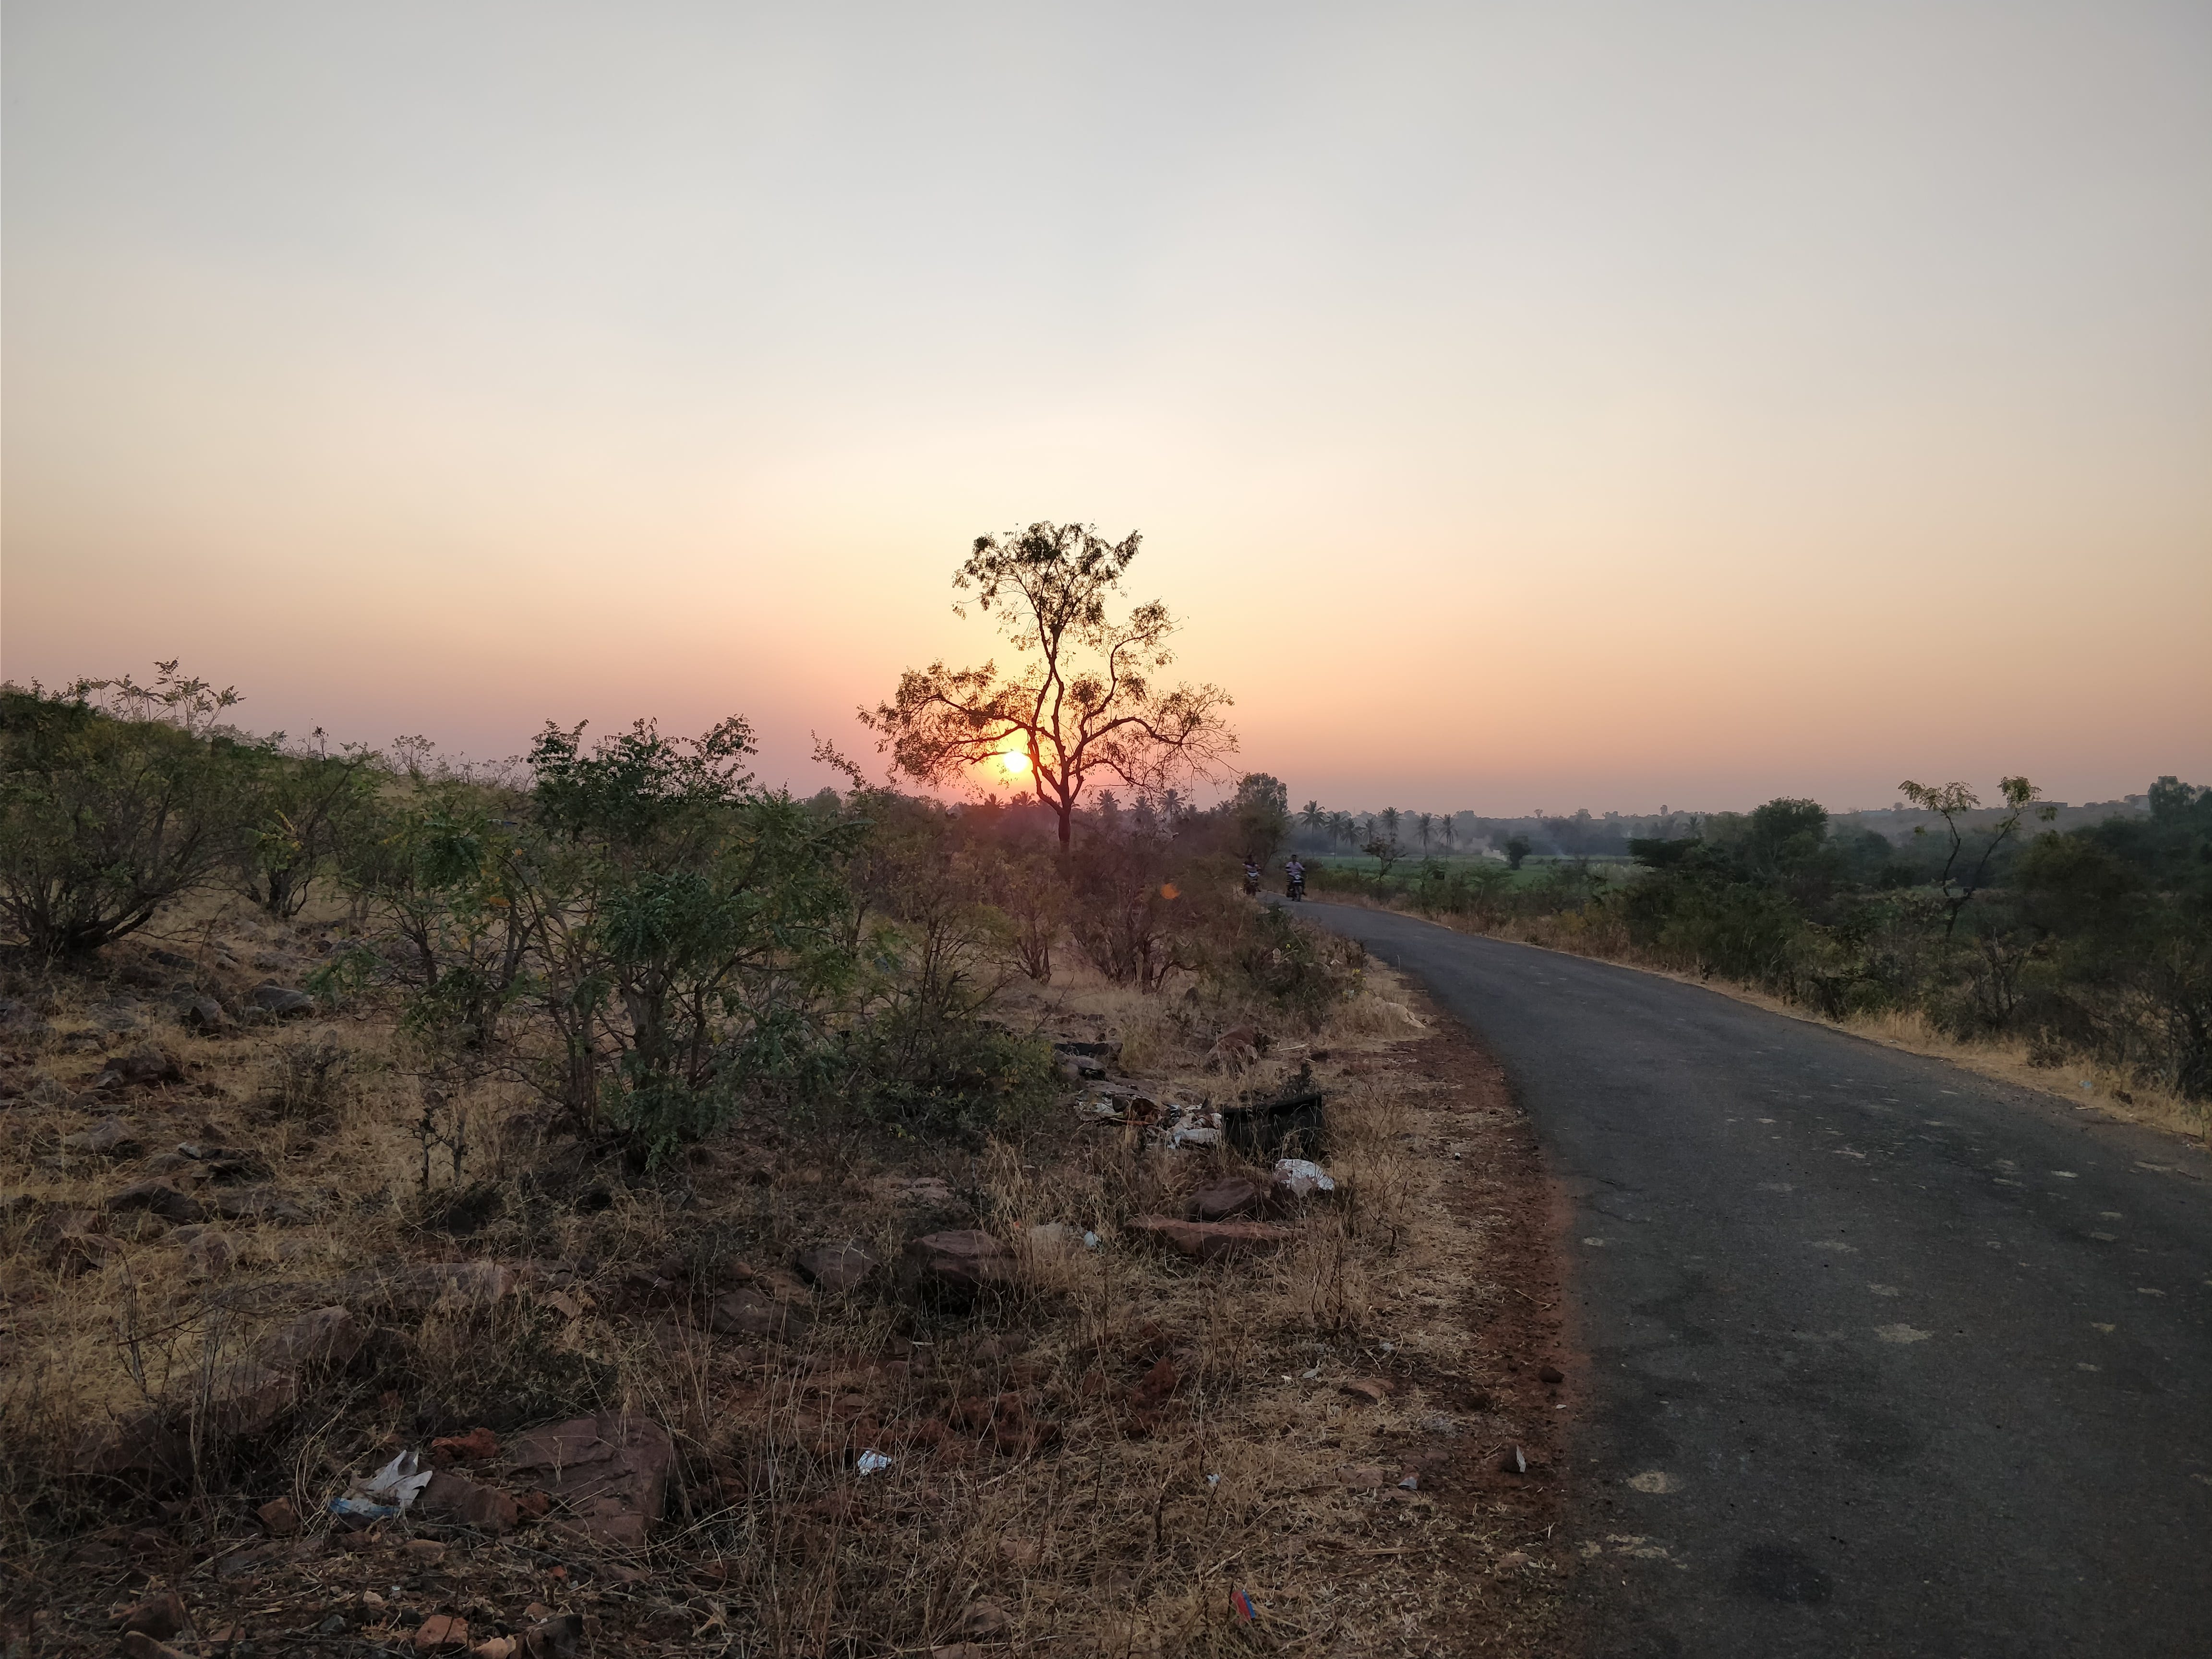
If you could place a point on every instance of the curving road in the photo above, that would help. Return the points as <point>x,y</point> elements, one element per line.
<point>1885,1358</point>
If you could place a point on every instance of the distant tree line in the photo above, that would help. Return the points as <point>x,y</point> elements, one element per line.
<point>2092,941</point>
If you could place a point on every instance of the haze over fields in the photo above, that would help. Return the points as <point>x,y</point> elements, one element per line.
<point>1589,404</point>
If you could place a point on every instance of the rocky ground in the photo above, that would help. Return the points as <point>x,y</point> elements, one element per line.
<point>1104,1384</point>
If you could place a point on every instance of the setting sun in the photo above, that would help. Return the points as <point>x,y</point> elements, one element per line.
<point>1015,761</point>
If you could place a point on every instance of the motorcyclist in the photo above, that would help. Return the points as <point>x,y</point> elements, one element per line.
<point>1251,876</point>
<point>1294,877</point>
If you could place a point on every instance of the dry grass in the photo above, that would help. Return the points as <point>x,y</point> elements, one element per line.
<point>1042,1459</point>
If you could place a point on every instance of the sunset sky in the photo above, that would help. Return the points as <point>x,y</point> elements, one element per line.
<point>1523,405</point>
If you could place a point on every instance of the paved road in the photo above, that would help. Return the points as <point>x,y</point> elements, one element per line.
<point>1884,1359</point>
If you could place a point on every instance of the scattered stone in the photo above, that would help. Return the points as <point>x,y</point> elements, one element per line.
<point>960,1264</point>
<point>442,1632</point>
<point>747,1312</point>
<point>424,1552</point>
<point>835,1266</point>
<point>1513,1460</point>
<point>1020,1551</point>
<point>1511,1559</point>
<point>144,1443</point>
<point>278,1516</point>
<point>1365,1388</point>
<point>1232,1195</point>
<point>457,1499</point>
<point>478,1445</point>
<point>147,1066</point>
<point>325,1336</point>
<point>1207,1240</point>
<point>158,1616</point>
<point>158,1198</point>
<point>1360,1476</point>
<point>964,1651</point>
<point>110,1138</point>
<point>1553,1374</point>
<point>281,1001</point>
<point>609,1474</point>
<point>497,1647</point>
<point>136,1645</point>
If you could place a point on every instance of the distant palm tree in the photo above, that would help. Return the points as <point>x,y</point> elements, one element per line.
<point>1424,823</point>
<point>1390,821</point>
<point>1313,817</point>
<point>1340,828</point>
<point>1450,820</point>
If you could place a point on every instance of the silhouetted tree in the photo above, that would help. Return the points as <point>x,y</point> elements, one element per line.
<point>1082,704</point>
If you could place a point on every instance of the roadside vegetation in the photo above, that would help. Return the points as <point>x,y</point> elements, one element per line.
<point>797,1169</point>
<point>1986,931</point>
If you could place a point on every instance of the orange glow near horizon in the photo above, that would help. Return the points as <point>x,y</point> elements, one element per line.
<point>1505,429</point>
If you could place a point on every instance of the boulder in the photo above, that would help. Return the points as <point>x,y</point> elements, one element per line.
<point>1232,1195</point>
<point>110,1138</point>
<point>1207,1240</point>
<point>835,1266</point>
<point>959,1265</point>
<point>281,1001</point>
<point>158,1616</point>
<point>157,1197</point>
<point>456,1499</point>
<point>607,1475</point>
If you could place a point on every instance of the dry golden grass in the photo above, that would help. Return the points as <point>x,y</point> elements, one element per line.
<point>1042,1461</point>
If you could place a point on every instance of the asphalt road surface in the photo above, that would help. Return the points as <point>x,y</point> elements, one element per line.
<point>1884,1358</point>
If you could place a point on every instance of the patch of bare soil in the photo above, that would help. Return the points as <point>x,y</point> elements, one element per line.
<point>814,1389</point>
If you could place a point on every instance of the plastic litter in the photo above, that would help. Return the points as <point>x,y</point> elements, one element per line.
<point>1213,1479</point>
<point>1090,1240</point>
<point>1241,1605</point>
<point>388,1492</point>
<point>1302,1178</point>
<point>872,1462</point>
<point>1310,1375</point>
<point>1411,1483</point>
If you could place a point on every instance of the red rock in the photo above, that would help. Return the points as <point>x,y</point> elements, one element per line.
<point>560,1637</point>
<point>278,1516</point>
<point>1207,1240</point>
<point>442,1632</point>
<point>1367,1389</point>
<point>607,1476</point>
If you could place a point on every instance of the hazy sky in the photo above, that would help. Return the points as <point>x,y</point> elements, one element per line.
<point>1525,405</point>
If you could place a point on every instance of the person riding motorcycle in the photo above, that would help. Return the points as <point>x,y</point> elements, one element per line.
<point>1294,878</point>
<point>1251,876</point>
